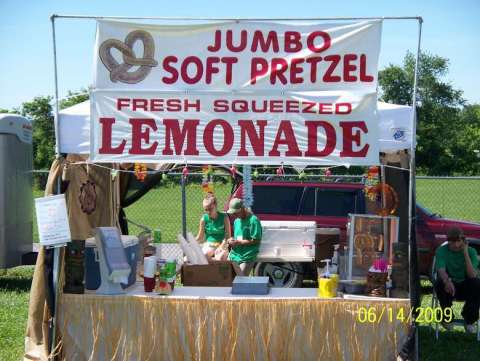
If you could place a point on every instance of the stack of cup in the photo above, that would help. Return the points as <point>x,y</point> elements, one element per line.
<point>149,268</point>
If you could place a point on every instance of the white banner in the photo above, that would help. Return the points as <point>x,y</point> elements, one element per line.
<point>302,128</point>
<point>236,92</point>
<point>232,56</point>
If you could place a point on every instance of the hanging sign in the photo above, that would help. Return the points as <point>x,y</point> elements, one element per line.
<point>52,220</point>
<point>239,92</point>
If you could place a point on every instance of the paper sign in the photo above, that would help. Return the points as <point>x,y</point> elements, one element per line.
<point>52,220</point>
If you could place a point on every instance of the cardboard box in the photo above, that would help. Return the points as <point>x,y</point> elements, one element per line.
<point>216,274</point>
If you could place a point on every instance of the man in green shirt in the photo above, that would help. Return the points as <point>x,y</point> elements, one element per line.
<point>457,270</point>
<point>247,234</point>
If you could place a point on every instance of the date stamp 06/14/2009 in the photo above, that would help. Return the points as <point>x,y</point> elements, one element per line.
<point>401,314</point>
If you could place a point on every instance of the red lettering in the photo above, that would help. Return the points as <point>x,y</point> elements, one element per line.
<point>330,139</point>
<point>308,106</point>
<point>170,69</point>
<point>256,140</point>
<point>292,42</point>
<point>349,137</point>
<point>285,136</point>
<point>140,104</point>
<point>348,67</point>
<point>156,105</point>
<point>313,67</point>
<point>276,106</point>
<point>346,106</point>
<point>311,41</point>
<point>198,72</point>
<point>122,102</point>
<point>265,44</point>
<point>293,106</point>
<point>241,46</point>
<point>106,147</point>
<point>195,105</point>
<point>279,67</point>
<point>139,135</point>
<point>363,69</point>
<point>295,69</point>
<point>174,105</point>
<point>217,42</point>
<point>229,61</point>
<point>259,67</point>
<point>210,69</point>
<point>325,108</point>
<point>220,105</point>
<point>188,132</point>
<point>208,138</point>
<point>328,77</point>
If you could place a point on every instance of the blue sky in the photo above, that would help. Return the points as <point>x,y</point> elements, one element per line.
<point>451,29</point>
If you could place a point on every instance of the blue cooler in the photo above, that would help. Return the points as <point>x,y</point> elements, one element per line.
<point>92,266</point>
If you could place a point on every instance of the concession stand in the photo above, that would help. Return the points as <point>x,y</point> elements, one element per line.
<point>230,92</point>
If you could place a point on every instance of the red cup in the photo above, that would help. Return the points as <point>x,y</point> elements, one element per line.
<point>148,284</point>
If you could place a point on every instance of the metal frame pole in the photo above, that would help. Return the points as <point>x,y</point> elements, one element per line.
<point>73,16</point>
<point>56,250</point>
<point>184,207</point>
<point>412,254</point>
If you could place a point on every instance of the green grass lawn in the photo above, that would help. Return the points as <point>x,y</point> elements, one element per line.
<point>453,345</point>
<point>14,295</point>
<point>452,198</point>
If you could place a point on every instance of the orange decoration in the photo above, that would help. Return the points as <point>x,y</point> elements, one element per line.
<point>140,170</point>
<point>388,197</point>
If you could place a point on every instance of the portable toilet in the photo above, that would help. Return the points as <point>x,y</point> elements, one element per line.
<point>16,199</point>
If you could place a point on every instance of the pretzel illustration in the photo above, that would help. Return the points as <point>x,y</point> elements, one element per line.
<point>120,72</point>
<point>364,245</point>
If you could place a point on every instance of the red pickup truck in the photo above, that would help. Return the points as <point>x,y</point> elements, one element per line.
<point>328,204</point>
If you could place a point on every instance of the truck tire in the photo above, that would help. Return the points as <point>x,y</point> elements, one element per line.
<point>281,274</point>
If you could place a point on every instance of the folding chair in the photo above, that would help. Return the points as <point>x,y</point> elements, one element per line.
<point>436,303</point>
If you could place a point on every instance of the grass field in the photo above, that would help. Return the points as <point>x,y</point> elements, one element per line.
<point>161,208</point>
<point>14,294</point>
<point>452,198</point>
<point>455,345</point>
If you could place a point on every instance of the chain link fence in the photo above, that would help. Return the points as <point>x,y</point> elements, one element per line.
<point>161,207</point>
<point>451,197</point>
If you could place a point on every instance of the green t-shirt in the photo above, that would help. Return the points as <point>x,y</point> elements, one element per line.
<point>249,228</point>
<point>214,228</point>
<point>454,262</point>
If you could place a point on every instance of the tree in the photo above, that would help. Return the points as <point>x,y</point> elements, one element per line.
<point>40,110</point>
<point>444,133</point>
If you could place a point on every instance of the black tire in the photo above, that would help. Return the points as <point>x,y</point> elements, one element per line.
<point>281,274</point>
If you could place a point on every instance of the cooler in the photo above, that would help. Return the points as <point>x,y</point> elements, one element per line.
<point>287,241</point>
<point>92,266</point>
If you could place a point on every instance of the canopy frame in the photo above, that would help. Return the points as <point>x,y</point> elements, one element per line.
<point>412,254</point>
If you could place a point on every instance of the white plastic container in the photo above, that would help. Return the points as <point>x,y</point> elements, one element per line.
<point>289,241</point>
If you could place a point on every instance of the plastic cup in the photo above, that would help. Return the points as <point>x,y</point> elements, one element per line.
<point>157,236</point>
<point>148,284</point>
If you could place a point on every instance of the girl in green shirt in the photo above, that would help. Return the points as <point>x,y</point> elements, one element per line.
<point>214,227</point>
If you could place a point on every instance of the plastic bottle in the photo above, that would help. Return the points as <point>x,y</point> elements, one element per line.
<point>334,268</point>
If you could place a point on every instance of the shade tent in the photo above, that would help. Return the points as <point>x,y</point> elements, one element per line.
<point>395,128</point>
